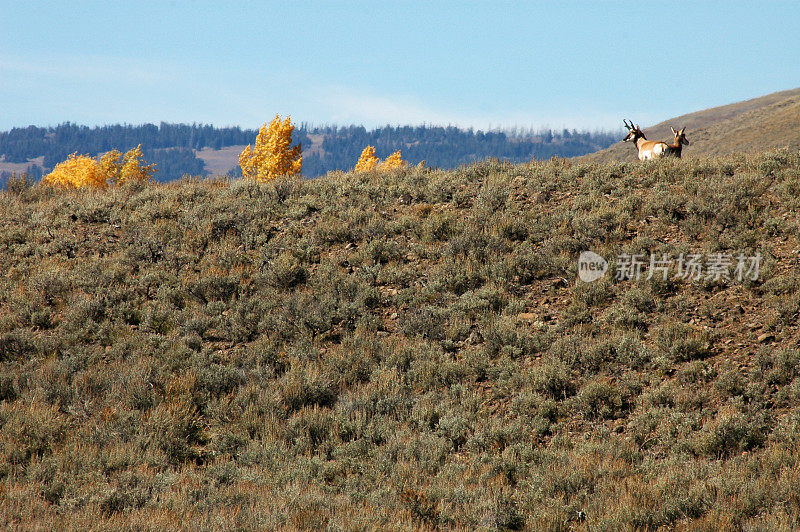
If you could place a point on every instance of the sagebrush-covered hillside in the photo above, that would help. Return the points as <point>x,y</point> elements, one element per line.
<point>406,350</point>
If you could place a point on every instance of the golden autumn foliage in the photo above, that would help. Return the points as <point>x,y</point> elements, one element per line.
<point>127,168</point>
<point>109,165</point>
<point>133,169</point>
<point>273,154</point>
<point>368,160</point>
<point>77,171</point>
<point>113,168</point>
<point>394,161</point>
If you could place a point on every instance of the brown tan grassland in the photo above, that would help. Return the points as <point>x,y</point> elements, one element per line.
<point>402,351</point>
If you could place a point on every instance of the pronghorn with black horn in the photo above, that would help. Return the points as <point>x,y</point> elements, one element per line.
<point>675,148</point>
<point>648,149</point>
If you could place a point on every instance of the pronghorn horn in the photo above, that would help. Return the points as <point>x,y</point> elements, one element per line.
<point>627,123</point>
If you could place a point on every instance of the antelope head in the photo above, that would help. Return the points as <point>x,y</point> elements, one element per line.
<point>680,137</point>
<point>634,132</point>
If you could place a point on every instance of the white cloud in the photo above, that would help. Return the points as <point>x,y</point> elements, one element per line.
<point>346,105</point>
<point>349,106</point>
<point>84,69</point>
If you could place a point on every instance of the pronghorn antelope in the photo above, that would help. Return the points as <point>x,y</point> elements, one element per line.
<point>675,148</point>
<point>648,149</point>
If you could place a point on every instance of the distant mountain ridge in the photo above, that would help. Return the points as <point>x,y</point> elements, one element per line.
<point>750,126</point>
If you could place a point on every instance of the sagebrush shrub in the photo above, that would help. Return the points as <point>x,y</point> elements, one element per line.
<point>408,347</point>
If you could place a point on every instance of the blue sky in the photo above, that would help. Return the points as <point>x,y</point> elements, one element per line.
<point>480,64</point>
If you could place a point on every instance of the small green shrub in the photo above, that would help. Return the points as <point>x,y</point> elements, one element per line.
<point>598,399</point>
<point>305,384</point>
<point>731,431</point>
<point>680,342</point>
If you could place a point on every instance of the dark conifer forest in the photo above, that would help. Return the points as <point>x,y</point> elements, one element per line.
<point>173,146</point>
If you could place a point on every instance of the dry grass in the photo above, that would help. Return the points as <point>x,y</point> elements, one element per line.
<point>402,351</point>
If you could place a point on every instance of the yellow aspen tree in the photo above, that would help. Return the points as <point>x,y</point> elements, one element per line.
<point>110,164</point>
<point>368,160</point>
<point>273,154</point>
<point>113,167</point>
<point>132,169</point>
<point>77,171</point>
<point>394,161</point>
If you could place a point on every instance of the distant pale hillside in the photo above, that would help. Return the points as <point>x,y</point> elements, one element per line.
<point>751,126</point>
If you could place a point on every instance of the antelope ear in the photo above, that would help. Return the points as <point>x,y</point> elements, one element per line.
<point>673,130</point>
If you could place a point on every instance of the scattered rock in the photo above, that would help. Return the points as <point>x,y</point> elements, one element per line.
<point>766,337</point>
